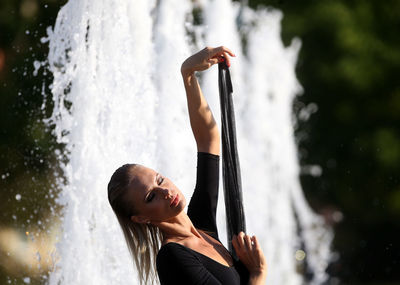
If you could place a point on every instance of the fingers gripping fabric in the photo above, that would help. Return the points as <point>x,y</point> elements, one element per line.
<point>235,219</point>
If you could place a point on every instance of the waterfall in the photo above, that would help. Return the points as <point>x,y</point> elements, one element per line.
<point>119,97</point>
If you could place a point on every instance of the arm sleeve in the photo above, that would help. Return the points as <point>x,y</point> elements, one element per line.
<point>176,265</point>
<point>202,208</point>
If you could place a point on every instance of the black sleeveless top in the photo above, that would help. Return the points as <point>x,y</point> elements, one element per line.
<point>178,264</point>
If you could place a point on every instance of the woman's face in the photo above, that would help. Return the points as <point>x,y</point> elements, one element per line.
<point>155,198</point>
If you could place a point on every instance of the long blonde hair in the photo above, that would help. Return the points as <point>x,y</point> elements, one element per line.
<point>143,240</point>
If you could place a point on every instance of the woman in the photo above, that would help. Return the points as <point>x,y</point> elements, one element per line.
<point>149,207</point>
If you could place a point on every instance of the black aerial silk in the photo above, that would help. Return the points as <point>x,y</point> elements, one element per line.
<point>235,219</point>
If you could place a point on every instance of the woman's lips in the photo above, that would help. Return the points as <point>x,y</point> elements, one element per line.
<point>175,201</point>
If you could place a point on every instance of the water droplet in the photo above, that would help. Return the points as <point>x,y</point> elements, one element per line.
<point>337,216</point>
<point>300,255</point>
<point>36,64</point>
<point>38,256</point>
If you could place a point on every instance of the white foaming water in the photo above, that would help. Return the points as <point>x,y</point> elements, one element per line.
<point>119,98</point>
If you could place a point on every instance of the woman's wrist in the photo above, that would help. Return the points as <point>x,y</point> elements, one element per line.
<point>186,72</point>
<point>257,277</point>
<point>258,272</point>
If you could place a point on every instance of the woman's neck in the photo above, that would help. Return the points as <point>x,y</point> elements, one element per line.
<point>178,228</point>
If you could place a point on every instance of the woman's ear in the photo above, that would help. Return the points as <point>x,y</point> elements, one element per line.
<point>139,219</point>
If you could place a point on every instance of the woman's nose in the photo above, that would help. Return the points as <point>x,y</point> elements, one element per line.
<point>166,193</point>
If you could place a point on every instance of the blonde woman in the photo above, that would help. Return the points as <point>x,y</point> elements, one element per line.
<point>184,247</point>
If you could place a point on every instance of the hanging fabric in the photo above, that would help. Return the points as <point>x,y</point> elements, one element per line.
<point>235,219</point>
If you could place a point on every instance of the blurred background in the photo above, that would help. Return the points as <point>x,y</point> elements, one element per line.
<point>349,148</point>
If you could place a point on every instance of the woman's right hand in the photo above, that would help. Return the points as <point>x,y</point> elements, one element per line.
<point>251,255</point>
<point>205,58</point>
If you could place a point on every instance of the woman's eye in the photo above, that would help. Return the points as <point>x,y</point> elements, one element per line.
<point>160,180</point>
<point>150,197</point>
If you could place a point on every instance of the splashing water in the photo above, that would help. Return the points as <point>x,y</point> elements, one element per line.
<point>118,98</point>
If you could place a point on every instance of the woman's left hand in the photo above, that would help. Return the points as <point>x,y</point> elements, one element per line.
<point>205,58</point>
<point>250,254</point>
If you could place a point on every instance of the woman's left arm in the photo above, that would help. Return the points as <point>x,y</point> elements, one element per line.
<point>202,121</point>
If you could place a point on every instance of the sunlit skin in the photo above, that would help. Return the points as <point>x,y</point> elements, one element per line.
<point>152,195</point>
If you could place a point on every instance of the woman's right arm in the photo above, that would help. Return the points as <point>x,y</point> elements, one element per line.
<point>250,254</point>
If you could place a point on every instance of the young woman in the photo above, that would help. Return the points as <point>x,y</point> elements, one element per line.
<point>150,208</point>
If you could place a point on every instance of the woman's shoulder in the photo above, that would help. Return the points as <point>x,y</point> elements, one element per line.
<point>176,253</point>
<point>172,248</point>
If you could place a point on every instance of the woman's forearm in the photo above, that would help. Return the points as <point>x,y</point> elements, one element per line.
<point>202,121</point>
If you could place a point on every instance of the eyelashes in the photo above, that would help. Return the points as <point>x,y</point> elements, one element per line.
<point>151,196</point>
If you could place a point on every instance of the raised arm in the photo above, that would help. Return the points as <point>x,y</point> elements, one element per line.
<point>202,121</point>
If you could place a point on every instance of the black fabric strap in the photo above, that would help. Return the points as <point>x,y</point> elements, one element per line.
<point>235,219</point>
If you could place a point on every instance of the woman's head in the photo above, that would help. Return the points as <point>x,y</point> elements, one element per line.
<point>144,195</point>
<point>141,199</point>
